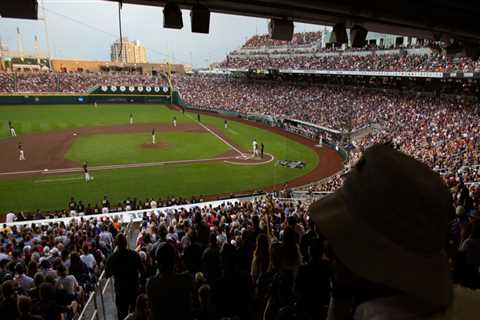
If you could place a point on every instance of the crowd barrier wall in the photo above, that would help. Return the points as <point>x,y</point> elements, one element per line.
<point>134,215</point>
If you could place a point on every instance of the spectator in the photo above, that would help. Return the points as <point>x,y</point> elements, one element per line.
<point>142,311</point>
<point>211,260</point>
<point>470,254</point>
<point>396,264</point>
<point>8,303</point>
<point>261,257</point>
<point>23,281</point>
<point>232,292</point>
<point>312,284</point>
<point>67,283</point>
<point>24,308</point>
<point>170,293</point>
<point>47,306</point>
<point>125,266</point>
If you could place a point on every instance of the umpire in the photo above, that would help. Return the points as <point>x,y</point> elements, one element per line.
<point>127,270</point>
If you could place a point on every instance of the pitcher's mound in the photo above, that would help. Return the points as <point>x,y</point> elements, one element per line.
<point>157,145</point>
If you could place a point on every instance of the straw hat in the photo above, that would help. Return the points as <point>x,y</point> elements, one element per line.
<point>388,224</point>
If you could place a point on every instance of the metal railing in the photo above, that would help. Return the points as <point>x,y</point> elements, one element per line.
<point>94,308</point>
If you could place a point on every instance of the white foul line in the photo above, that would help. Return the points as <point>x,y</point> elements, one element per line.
<point>116,166</point>
<point>58,179</point>
<point>216,135</point>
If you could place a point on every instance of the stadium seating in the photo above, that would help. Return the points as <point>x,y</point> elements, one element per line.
<point>71,82</point>
<point>298,39</point>
<point>305,52</point>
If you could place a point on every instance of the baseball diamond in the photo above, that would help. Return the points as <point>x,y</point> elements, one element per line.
<point>189,158</point>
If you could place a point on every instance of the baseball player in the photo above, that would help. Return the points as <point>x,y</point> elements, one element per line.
<point>12,129</point>
<point>254,147</point>
<point>131,118</point>
<point>95,104</point>
<point>174,121</point>
<point>198,117</point>
<point>85,170</point>
<point>225,123</point>
<point>21,154</point>
<point>153,136</point>
<point>261,150</point>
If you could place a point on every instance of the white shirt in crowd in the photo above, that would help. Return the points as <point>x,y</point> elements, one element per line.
<point>89,260</point>
<point>25,282</point>
<point>107,237</point>
<point>11,217</point>
<point>4,256</point>
<point>69,284</point>
<point>153,204</point>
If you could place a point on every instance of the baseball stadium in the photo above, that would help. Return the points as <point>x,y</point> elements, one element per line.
<point>326,166</point>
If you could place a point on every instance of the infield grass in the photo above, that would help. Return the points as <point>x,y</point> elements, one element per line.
<point>104,149</point>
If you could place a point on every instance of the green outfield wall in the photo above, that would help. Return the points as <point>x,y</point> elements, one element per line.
<point>81,99</point>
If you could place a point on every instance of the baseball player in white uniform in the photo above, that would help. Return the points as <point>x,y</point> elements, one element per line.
<point>153,136</point>
<point>12,129</point>
<point>174,121</point>
<point>21,154</point>
<point>255,147</point>
<point>85,170</point>
<point>226,124</point>
<point>131,118</point>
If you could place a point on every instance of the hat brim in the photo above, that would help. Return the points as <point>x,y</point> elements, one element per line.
<point>376,258</point>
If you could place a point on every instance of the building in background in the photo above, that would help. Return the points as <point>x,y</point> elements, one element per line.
<point>128,51</point>
<point>79,65</point>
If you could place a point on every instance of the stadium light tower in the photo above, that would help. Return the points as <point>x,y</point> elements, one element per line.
<point>36,48</point>
<point>44,18</point>
<point>19,39</point>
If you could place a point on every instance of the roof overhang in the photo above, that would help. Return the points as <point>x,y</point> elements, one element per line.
<point>428,19</point>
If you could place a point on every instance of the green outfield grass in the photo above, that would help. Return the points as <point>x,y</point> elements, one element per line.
<point>53,192</point>
<point>104,149</point>
<point>41,118</point>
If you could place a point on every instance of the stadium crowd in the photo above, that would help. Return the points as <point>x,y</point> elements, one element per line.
<point>47,271</point>
<point>259,259</point>
<point>298,39</point>
<point>305,52</point>
<point>80,82</point>
<point>372,62</point>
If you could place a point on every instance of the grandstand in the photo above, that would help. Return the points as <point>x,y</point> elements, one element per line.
<point>184,212</point>
<point>259,53</point>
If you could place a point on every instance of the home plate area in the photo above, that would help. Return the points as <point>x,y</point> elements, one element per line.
<point>249,159</point>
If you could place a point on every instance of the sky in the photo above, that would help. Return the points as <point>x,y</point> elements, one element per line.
<point>85,29</point>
